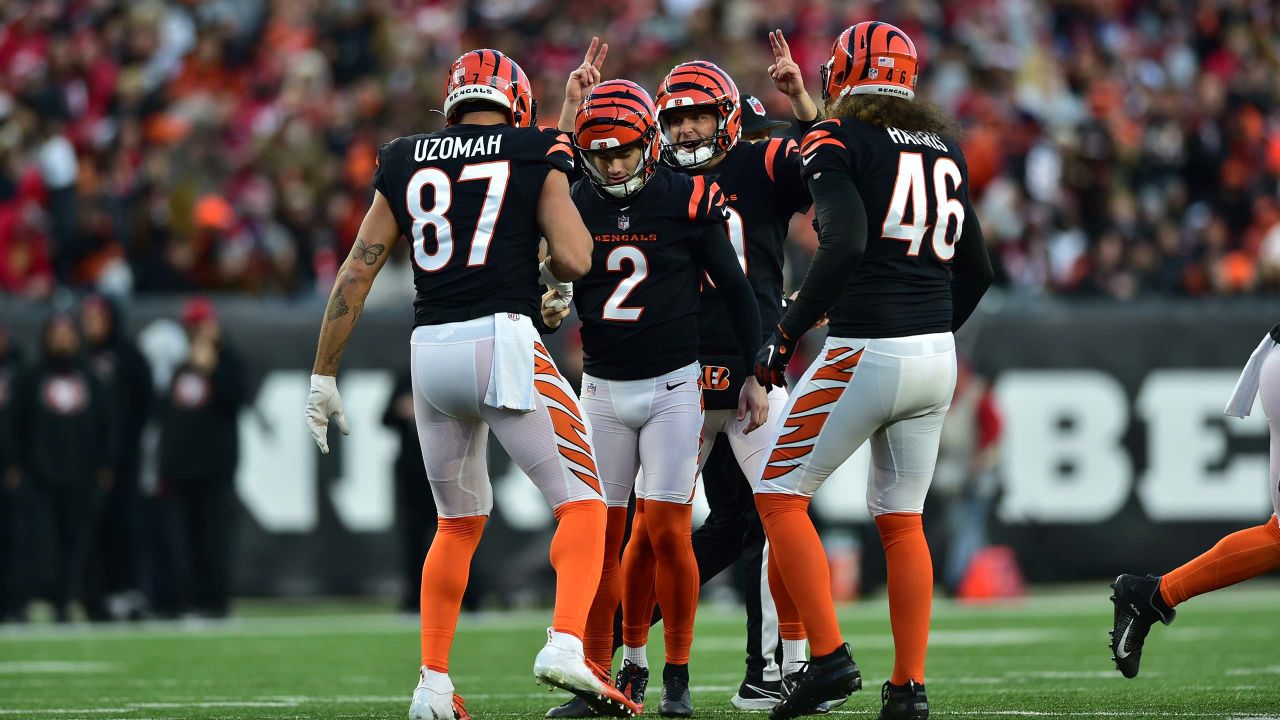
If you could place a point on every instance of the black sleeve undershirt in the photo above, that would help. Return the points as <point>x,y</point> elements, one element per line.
<point>842,238</point>
<point>721,264</point>
<point>971,272</point>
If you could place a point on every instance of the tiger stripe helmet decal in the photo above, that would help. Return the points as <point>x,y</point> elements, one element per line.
<point>870,58</point>
<point>700,83</point>
<point>617,114</point>
<point>489,76</point>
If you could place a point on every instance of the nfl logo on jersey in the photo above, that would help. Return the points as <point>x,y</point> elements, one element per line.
<point>589,390</point>
<point>624,222</point>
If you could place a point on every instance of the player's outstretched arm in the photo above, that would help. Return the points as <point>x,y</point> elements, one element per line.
<point>971,272</point>
<point>842,238</point>
<point>377,233</point>
<point>789,81</point>
<point>568,242</point>
<point>581,80</point>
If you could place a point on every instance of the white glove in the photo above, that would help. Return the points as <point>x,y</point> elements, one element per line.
<point>323,402</point>
<point>563,289</point>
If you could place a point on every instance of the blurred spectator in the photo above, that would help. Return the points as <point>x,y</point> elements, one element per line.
<point>10,369</point>
<point>65,449</point>
<point>169,146</point>
<point>113,587</point>
<point>415,506</point>
<point>199,452</point>
<point>965,480</point>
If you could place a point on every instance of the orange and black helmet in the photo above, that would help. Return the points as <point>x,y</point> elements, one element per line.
<point>870,58</point>
<point>489,76</point>
<point>700,83</point>
<point>617,114</point>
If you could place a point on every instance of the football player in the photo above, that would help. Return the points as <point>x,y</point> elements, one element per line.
<point>701,114</point>
<point>656,233</point>
<point>900,266</point>
<point>473,200</point>
<point>1142,601</point>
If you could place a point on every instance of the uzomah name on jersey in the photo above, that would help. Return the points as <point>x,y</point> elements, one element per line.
<point>443,148</point>
<point>902,137</point>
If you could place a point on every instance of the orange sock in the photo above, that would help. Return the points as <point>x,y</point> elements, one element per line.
<point>790,626</point>
<point>670,530</point>
<point>1238,556</point>
<point>910,592</point>
<point>598,642</point>
<point>444,580</point>
<point>637,581</point>
<point>577,554</point>
<point>803,567</point>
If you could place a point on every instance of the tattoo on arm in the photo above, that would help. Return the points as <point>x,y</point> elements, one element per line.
<point>337,305</point>
<point>367,254</point>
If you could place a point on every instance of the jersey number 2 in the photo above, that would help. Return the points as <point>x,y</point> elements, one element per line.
<point>497,173</point>
<point>910,184</point>
<point>613,307</point>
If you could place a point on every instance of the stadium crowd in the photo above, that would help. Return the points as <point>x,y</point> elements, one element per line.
<point>1116,148</point>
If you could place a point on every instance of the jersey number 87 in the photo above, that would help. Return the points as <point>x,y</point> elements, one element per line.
<point>497,173</point>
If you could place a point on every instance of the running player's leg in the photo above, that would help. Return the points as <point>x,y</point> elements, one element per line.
<point>1246,553</point>
<point>616,444</point>
<point>552,446</point>
<point>903,455</point>
<point>830,414</point>
<point>669,460</point>
<point>453,439</point>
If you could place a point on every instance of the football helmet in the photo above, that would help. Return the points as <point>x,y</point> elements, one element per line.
<point>490,76</point>
<point>700,83</point>
<point>617,114</point>
<point>870,58</point>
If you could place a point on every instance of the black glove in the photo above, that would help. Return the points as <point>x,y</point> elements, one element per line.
<point>771,361</point>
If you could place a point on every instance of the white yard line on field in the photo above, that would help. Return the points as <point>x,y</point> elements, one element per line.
<point>25,667</point>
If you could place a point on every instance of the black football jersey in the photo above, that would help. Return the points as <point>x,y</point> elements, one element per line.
<point>466,198</point>
<point>639,303</point>
<point>762,185</point>
<point>915,187</point>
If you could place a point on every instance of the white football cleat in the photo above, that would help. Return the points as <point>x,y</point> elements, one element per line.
<point>561,663</point>
<point>434,698</point>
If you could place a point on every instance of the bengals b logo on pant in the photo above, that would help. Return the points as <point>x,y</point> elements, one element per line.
<point>714,377</point>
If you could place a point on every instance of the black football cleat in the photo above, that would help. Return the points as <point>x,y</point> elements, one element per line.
<point>1138,606</point>
<point>903,702</point>
<point>576,707</point>
<point>675,701</point>
<point>631,682</point>
<point>756,693</point>
<point>820,684</point>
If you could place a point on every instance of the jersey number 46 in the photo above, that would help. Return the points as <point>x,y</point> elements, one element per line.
<point>910,185</point>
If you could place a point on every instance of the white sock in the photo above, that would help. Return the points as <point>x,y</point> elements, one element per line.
<point>793,653</point>
<point>636,655</point>
<point>565,641</point>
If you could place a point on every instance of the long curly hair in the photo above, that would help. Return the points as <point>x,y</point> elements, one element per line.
<point>887,111</point>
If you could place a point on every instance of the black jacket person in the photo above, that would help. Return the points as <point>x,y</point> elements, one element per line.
<point>64,446</point>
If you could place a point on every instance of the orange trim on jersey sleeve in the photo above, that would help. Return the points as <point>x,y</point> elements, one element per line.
<point>770,154</point>
<point>825,141</point>
<point>695,199</point>
<point>560,147</point>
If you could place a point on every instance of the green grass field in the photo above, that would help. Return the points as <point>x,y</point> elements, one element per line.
<point>1043,658</point>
